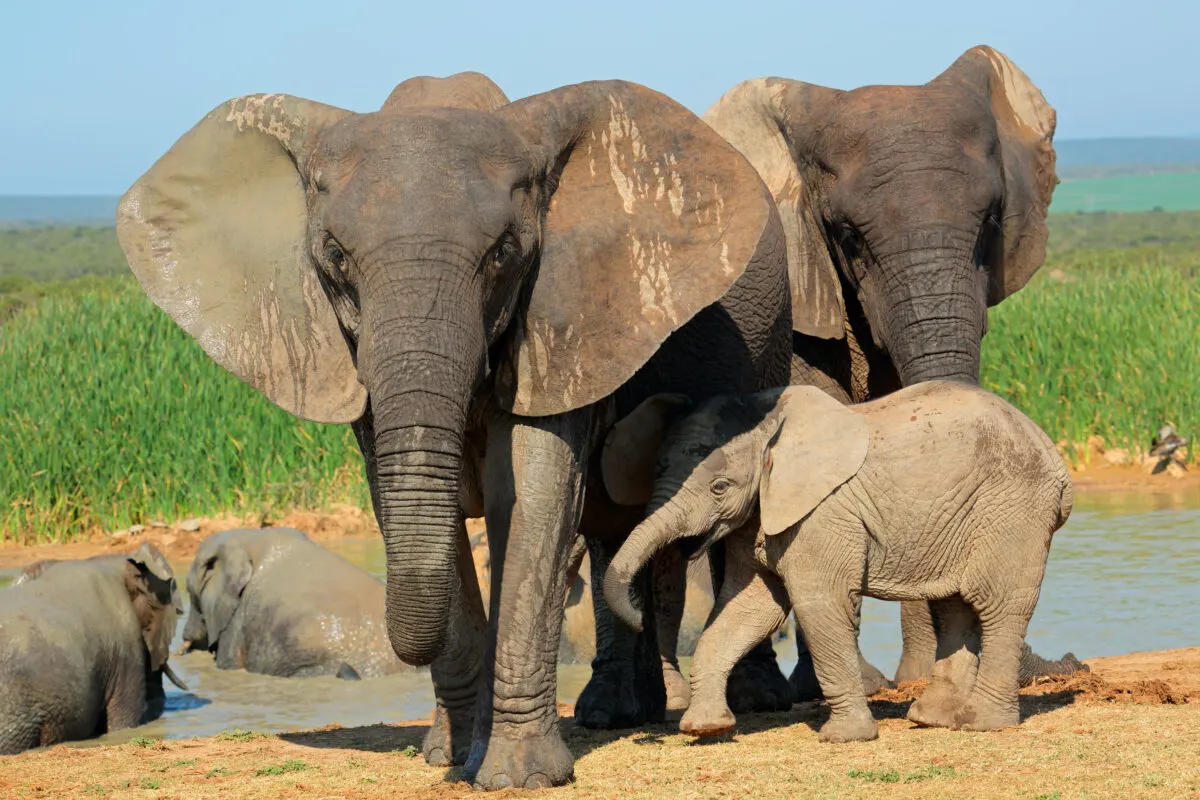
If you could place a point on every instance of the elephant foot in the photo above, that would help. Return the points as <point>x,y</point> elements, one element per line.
<point>610,700</point>
<point>935,709</point>
<point>756,684</point>
<point>446,743</point>
<point>679,690</point>
<point>976,717</point>
<point>853,727</point>
<point>914,668</point>
<point>500,761</point>
<point>707,719</point>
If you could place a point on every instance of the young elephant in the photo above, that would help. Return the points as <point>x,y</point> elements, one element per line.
<point>274,602</point>
<point>940,492</point>
<point>85,646</point>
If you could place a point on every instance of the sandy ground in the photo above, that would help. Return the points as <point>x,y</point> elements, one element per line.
<point>1129,729</point>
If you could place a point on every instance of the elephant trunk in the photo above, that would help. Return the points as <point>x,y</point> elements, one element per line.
<point>664,524</point>
<point>935,315</point>
<point>423,366</point>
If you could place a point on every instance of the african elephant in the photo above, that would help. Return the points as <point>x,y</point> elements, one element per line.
<point>274,602</point>
<point>480,294</point>
<point>908,210</point>
<point>85,647</point>
<point>939,492</point>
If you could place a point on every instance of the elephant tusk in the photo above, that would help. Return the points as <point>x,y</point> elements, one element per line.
<point>173,678</point>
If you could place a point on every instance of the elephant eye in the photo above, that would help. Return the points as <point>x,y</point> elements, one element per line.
<point>335,256</point>
<point>504,252</point>
<point>720,486</point>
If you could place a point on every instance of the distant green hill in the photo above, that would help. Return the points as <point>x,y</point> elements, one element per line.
<point>34,210</point>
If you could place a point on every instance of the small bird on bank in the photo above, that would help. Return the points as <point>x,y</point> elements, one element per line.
<point>1165,446</point>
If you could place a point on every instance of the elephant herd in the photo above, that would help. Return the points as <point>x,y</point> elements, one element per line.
<point>522,307</point>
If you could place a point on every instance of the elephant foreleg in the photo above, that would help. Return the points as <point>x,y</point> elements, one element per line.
<point>920,642</point>
<point>534,488</point>
<point>456,671</point>
<point>669,593</point>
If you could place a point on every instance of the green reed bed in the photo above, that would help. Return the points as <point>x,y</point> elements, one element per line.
<point>1100,345</point>
<point>110,415</point>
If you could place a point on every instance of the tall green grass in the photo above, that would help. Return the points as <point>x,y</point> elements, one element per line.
<point>1110,349</point>
<point>111,415</point>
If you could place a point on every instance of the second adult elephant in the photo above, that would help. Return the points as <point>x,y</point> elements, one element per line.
<point>908,211</point>
<point>274,602</point>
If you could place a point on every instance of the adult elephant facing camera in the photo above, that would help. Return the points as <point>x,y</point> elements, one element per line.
<point>442,278</point>
<point>908,211</point>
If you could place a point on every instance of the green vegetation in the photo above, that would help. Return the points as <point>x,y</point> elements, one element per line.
<point>1177,191</point>
<point>239,735</point>
<point>110,415</point>
<point>46,254</point>
<point>291,765</point>
<point>143,741</point>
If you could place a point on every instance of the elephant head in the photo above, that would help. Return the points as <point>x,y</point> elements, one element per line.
<point>384,269</point>
<point>766,459</point>
<point>219,575</point>
<point>916,207</point>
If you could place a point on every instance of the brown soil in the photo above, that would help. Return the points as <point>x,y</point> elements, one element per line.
<point>1129,729</point>
<point>1101,469</point>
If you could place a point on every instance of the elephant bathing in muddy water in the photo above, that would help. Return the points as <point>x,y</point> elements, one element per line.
<point>481,293</point>
<point>85,647</point>
<point>908,210</point>
<point>940,492</point>
<point>274,602</point>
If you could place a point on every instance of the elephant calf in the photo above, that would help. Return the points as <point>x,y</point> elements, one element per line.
<point>84,646</point>
<point>939,492</point>
<point>274,602</point>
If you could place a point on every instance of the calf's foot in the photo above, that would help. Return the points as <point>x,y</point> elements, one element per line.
<point>679,690</point>
<point>448,741</point>
<point>975,716</point>
<point>856,726</point>
<point>707,719</point>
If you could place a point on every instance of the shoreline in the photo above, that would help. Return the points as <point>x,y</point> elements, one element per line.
<point>1130,728</point>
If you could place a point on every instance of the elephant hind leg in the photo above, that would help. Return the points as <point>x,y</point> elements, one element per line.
<point>954,670</point>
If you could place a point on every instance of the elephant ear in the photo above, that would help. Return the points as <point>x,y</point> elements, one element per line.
<point>652,217</point>
<point>819,445</point>
<point>216,233</point>
<point>472,90</point>
<point>231,570</point>
<point>1025,125</point>
<point>754,117</point>
<point>151,597</point>
<point>631,448</point>
<point>31,572</point>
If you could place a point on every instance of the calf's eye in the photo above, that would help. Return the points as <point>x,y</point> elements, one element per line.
<point>720,486</point>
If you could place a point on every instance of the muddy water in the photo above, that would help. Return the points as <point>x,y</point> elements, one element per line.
<point>1123,576</point>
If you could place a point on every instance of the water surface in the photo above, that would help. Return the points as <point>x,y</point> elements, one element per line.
<point>1122,577</point>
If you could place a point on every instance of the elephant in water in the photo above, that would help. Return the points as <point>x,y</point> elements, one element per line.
<point>480,293</point>
<point>941,492</point>
<point>908,211</point>
<point>274,602</point>
<point>85,647</point>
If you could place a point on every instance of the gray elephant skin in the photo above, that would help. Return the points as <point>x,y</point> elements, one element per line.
<point>479,289</point>
<point>908,211</point>
<point>85,647</point>
<point>274,602</point>
<point>940,492</point>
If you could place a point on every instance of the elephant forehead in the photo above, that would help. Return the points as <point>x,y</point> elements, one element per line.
<point>878,117</point>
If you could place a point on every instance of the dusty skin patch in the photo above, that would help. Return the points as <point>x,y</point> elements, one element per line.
<point>1096,736</point>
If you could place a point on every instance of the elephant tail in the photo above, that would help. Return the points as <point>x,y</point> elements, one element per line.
<point>348,673</point>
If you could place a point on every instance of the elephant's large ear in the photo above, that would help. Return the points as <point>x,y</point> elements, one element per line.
<point>652,218</point>
<point>215,232</point>
<point>1025,125</point>
<point>232,569</point>
<point>759,118</point>
<point>152,604</point>
<point>820,444</point>
<point>462,90</point>
<point>31,572</point>
<point>631,448</point>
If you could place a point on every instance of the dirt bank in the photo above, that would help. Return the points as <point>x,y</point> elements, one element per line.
<point>1130,729</point>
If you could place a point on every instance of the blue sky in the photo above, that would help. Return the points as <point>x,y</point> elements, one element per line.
<point>94,92</point>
